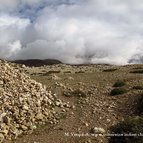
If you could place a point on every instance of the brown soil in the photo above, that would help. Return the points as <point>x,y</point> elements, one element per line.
<point>97,109</point>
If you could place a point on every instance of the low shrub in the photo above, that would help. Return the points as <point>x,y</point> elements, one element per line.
<point>79,72</point>
<point>118,91</point>
<point>119,84</point>
<point>51,72</point>
<point>137,71</point>
<point>138,87</point>
<point>140,105</point>
<point>138,68</point>
<point>109,70</point>
<point>67,71</point>
<point>132,126</point>
<point>79,93</point>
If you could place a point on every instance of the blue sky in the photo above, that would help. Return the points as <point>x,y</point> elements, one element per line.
<point>94,31</point>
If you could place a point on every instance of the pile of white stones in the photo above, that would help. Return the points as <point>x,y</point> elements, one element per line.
<point>24,103</point>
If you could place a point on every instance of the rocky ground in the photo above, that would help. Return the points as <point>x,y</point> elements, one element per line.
<point>82,109</point>
<point>24,103</point>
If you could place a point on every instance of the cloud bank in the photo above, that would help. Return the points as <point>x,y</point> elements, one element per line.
<point>82,31</point>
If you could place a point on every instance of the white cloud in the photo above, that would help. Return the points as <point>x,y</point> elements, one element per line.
<point>11,30</point>
<point>9,4</point>
<point>96,31</point>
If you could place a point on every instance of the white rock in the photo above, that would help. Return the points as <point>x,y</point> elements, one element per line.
<point>98,130</point>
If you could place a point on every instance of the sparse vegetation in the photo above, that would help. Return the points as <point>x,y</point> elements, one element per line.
<point>109,70</point>
<point>119,84</point>
<point>87,94</point>
<point>80,72</point>
<point>140,105</point>
<point>138,87</point>
<point>136,68</point>
<point>137,71</point>
<point>67,71</point>
<point>124,130</point>
<point>79,93</point>
<point>118,91</point>
<point>50,72</point>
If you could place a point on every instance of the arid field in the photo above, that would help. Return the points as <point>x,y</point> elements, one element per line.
<point>94,108</point>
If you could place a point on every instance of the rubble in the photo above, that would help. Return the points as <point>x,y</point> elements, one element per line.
<point>24,103</point>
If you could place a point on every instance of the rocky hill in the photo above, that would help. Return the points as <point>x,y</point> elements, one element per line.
<point>24,103</point>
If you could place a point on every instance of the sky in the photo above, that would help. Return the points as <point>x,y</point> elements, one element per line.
<point>83,31</point>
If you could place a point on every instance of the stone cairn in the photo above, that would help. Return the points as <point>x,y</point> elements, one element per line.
<point>24,103</point>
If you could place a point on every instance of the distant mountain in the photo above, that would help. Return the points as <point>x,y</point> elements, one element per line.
<point>37,62</point>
